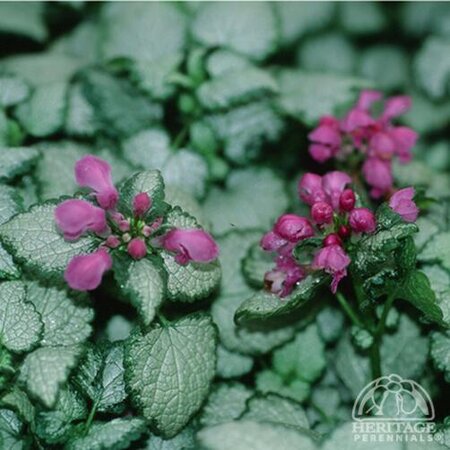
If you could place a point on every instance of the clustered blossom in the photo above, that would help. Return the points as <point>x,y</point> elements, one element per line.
<point>334,218</point>
<point>375,138</point>
<point>75,217</point>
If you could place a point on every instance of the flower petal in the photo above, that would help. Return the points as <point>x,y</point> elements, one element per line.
<point>75,217</point>
<point>191,245</point>
<point>95,173</point>
<point>85,272</point>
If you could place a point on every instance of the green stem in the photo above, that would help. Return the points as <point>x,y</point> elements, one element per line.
<point>91,416</point>
<point>179,139</point>
<point>163,320</point>
<point>375,358</point>
<point>348,309</point>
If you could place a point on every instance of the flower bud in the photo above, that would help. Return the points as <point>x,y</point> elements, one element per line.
<point>332,239</point>
<point>347,200</point>
<point>112,241</point>
<point>344,231</point>
<point>362,220</point>
<point>136,248</point>
<point>322,212</point>
<point>141,204</point>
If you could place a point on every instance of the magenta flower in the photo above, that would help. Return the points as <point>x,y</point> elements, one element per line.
<point>95,173</point>
<point>85,272</point>
<point>376,138</point>
<point>362,220</point>
<point>378,173</point>
<point>119,233</point>
<point>313,188</point>
<point>326,139</point>
<point>310,189</point>
<point>367,98</point>
<point>334,261</point>
<point>191,245</point>
<point>333,184</point>
<point>284,277</point>
<point>293,228</point>
<point>76,217</point>
<point>403,204</point>
<point>272,242</point>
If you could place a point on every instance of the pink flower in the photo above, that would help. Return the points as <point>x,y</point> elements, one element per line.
<point>405,138</point>
<point>85,272</point>
<point>362,220</point>
<point>396,106</point>
<point>95,173</point>
<point>284,277</point>
<point>293,228</point>
<point>367,98</point>
<point>136,248</point>
<point>272,242</point>
<point>191,245</point>
<point>326,139</point>
<point>356,118</point>
<point>141,204</point>
<point>75,217</point>
<point>334,261</point>
<point>378,174</point>
<point>382,145</point>
<point>310,189</point>
<point>333,184</point>
<point>321,213</point>
<point>403,204</point>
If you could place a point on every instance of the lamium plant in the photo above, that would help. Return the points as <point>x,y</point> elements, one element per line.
<point>224,225</point>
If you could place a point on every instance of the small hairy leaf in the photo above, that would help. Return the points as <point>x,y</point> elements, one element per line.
<point>248,28</point>
<point>277,410</point>
<point>16,161</point>
<point>13,90</point>
<point>244,435</point>
<point>43,113</point>
<point>225,403</point>
<point>308,96</point>
<point>117,434</point>
<point>46,369</point>
<point>21,325</point>
<point>253,198</point>
<point>144,282</point>
<point>169,371</point>
<point>65,321</point>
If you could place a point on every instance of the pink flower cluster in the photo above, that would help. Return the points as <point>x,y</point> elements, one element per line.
<point>75,217</point>
<point>334,218</point>
<point>376,138</point>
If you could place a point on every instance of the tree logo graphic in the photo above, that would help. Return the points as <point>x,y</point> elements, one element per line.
<point>392,398</point>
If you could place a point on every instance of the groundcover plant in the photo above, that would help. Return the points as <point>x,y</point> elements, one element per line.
<point>224,226</point>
